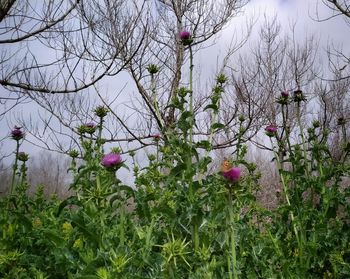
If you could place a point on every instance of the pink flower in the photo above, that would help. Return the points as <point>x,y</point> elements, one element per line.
<point>233,174</point>
<point>111,160</point>
<point>185,38</point>
<point>285,94</point>
<point>185,35</point>
<point>271,130</point>
<point>17,133</point>
<point>90,125</point>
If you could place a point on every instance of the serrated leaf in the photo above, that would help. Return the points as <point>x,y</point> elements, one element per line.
<point>204,144</point>
<point>54,237</point>
<point>216,126</point>
<point>73,200</point>
<point>211,106</point>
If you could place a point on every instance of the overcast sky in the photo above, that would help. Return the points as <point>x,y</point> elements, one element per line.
<point>303,12</point>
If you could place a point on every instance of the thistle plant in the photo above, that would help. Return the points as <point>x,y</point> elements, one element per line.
<point>16,134</point>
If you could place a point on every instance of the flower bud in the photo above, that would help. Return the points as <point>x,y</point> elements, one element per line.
<point>341,121</point>
<point>101,111</point>
<point>221,78</point>
<point>90,128</point>
<point>316,124</point>
<point>241,118</point>
<point>152,69</point>
<point>73,153</point>
<point>299,96</point>
<point>22,156</point>
<point>283,99</point>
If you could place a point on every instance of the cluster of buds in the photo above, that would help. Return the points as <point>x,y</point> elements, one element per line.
<point>17,134</point>
<point>185,38</point>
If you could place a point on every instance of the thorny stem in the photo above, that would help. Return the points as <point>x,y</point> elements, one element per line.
<point>191,95</point>
<point>154,99</point>
<point>233,266</point>
<point>15,166</point>
<point>195,234</point>
<point>302,139</point>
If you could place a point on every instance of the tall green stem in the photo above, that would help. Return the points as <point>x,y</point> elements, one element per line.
<point>232,238</point>
<point>191,95</point>
<point>15,166</point>
<point>302,139</point>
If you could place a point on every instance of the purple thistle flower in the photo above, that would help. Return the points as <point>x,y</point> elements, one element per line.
<point>111,160</point>
<point>17,133</point>
<point>89,128</point>
<point>233,174</point>
<point>90,125</point>
<point>185,38</point>
<point>185,35</point>
<point>284,94</point>
<point>271,130</point>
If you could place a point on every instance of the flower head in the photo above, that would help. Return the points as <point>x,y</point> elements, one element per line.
<point>233,174</point>
<point>185,37</point>
<point>271,130</point>
<point>283,99</point>
<point>299,96</point>
<point>17,133</point>
<point>341,121</point>
<point>88,128</point>
<point>101,111</point>
<point>22,156</point>
<point>73,153</point>
<point>284,94</point>
<point>111,160</point>
<point>152,69</point>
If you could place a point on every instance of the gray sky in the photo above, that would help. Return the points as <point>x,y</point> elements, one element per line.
<point>287,12</point>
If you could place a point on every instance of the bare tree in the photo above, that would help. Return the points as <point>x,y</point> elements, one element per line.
<point>277,63</point>
<point>339,7</point>
<point>115,37</point>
